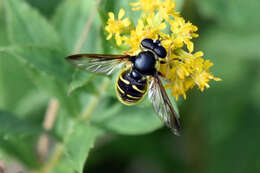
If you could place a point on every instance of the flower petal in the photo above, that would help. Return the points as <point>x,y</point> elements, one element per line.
<point>121,13</point>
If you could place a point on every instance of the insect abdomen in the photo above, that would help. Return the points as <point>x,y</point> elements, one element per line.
<point>129,90</point>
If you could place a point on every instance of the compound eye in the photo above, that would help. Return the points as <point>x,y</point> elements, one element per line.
<point>160,51</point>
<point>148,43</point>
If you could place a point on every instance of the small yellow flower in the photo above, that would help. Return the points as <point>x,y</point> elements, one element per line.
<point>182,33</point>
<point>186,72</point>
<point>136,37</point>
<point>155,22</point>
<point>147,6</point>
<point>183,69</point>
<point>178,88</point>
<point>166,9</point>
<point>117,26</point>
<point>150,30</point>
<point>202,76</point>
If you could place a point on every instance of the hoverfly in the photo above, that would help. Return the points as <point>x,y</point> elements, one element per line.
<point>139,75</point>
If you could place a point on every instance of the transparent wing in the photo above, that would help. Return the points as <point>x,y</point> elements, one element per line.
<point>98,63</point>
<point>163,106</point>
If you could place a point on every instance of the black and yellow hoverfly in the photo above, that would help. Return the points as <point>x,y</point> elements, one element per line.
<point>139,75</point>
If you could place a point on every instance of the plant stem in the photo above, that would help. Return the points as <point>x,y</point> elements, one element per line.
<point>49,119</point>
<point>59,151</point>
<point>87,27</point>
<point>95,99</point>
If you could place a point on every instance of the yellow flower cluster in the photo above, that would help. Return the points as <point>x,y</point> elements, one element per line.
<point>183,69</point>
<point>116,27</point>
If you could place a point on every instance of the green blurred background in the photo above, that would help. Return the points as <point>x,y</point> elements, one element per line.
<point>220,126</point>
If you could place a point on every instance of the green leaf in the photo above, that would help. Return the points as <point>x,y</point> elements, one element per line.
<point>81,79</point>
<point>74,19</point>
<point>44,76</point>
<point>142,121</point>
<point>22,149</point>
<point>47,67</point>
<point>76,147</point>
<point>12,126</point>
<point>31,105</point>
<point>3,30</point>
<point>129,120</point>
<point>45,7</point>
<point>48,61</point>
<point>15,131</point>
<point>12,74</point>
<point>55,88</point>
<point>79,25</point>
<point>26,26</point>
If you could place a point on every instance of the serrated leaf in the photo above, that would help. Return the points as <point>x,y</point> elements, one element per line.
<point>26,26</point>
<point>76,147</point>
<point>48,61</point>
<point>50,82</point>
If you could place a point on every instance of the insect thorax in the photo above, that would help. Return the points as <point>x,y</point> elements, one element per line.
<point>144,63</point>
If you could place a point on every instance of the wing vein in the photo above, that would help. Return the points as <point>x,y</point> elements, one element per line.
<point>98,63</point>
<point>162,105</point>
